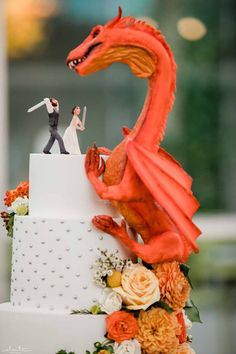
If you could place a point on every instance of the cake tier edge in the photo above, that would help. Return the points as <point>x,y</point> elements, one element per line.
<point>41,333</point>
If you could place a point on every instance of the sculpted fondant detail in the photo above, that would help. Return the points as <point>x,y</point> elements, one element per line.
<point>146,184</point>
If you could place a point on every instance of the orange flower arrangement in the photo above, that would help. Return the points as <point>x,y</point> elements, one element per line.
<point>158,331</point>
<point>174,286</point>
<point>22,190</point>
<point>121,326</point>
<point>184,349</point>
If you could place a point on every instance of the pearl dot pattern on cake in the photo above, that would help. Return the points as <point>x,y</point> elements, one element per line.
<point>57,264</point>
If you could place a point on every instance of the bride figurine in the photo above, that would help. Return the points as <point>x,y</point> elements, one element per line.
<point>70,136</point>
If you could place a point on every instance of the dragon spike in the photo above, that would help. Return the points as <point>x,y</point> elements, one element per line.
<point>112,22</point>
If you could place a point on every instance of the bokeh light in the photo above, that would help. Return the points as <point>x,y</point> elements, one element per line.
<point>191,28</point>
<point>25,24</point>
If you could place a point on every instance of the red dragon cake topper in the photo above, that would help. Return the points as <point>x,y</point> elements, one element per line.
<point>145,183</point>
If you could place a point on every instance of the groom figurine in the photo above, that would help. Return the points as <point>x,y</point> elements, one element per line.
<point>53,113</point>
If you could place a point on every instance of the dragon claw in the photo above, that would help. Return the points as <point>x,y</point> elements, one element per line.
<point>93,161</point>
<point>106,224</point>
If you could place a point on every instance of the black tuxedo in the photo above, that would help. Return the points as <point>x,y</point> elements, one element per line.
<point>54,135</point>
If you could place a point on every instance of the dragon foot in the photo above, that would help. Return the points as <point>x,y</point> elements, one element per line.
<point>94,165</point>
<point>165,247</point>
<point>106,224</point>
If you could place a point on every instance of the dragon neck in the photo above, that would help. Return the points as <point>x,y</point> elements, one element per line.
<point>150,127</point>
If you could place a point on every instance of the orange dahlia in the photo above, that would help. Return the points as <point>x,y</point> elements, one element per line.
<point>158,332</point>
<point>184,349</point>
<point>121,326</point>
<point>174,286</point>
<point>22,190</point>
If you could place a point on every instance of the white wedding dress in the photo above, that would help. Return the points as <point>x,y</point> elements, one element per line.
<point>70,137</point>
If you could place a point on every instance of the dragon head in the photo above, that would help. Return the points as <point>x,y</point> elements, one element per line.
<point>120,40</point>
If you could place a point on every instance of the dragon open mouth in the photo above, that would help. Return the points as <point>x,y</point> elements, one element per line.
<point>73,63</point>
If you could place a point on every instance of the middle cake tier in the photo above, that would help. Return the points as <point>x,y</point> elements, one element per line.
<point>53,263</point>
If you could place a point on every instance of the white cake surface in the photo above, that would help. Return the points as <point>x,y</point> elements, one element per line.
<point>38,332</point>
<point>53,256</point>
<point>52,263</point>
<point>59,188</point>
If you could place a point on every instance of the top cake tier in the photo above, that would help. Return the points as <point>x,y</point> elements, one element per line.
<point>59,188</point>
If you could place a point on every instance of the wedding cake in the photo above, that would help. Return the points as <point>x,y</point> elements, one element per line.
<point>54,251</point>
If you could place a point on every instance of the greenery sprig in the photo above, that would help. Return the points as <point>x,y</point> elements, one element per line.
<point>106,345</point>
<point>8,219</point>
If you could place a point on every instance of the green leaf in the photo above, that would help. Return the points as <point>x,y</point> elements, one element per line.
<point>192,312</point>
<point>65,352</point>
<point>9,223</point>
<point>184,268</point>
<point>164,306</point>
<point>95,309</point>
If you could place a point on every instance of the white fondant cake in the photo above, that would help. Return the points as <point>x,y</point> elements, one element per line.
<point>52,264</point>
<point>37,332</point>
<point>59,188</point>
<point>54,250</point>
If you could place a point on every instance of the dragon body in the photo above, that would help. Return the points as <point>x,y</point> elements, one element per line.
<point>148,186</point>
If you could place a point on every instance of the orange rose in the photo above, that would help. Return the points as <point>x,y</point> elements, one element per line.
<point>121,326</point>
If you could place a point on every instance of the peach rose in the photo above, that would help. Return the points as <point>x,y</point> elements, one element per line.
<point>139,287</point>
<point>121,326</point>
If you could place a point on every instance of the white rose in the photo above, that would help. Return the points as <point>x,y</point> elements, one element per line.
<point>139,287</point>
<point>110,301</point>
<point>128,346</point>
<point>19,206</point>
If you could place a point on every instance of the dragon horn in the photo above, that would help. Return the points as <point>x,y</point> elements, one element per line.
<point>115,19</point>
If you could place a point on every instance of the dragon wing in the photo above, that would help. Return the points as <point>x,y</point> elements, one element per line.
<point>169,185</point>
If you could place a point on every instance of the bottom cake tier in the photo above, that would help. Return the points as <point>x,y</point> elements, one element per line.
<point>37,332</point>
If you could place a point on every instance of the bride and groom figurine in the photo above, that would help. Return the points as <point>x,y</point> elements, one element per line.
<point>69,144</point>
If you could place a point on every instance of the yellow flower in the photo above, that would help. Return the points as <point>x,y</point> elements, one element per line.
<point>22,209</point>
<point>174,286</point>
<point>114,280</point>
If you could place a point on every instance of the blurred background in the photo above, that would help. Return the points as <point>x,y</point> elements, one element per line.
<point>35,38</point>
